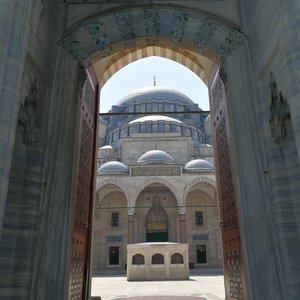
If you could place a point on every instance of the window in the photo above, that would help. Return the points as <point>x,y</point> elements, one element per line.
<point>113,255</point>
<point>177,258</point>
<point>114,219</point>
<point>157,259</point>
<point>199,218</point>
<point>201,254</point>
<point>138,259</point>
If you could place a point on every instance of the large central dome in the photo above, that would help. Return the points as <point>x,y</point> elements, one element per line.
<point>155,93</point>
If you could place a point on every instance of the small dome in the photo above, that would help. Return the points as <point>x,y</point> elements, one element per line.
<point>197,165</point>
<point>106,147</point>
<point>155,157</point>
<point>155,93</point>
<point>154,118</point>
<point>113,167</point>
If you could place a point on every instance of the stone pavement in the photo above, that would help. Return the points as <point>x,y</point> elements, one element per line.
<point>202,285</point>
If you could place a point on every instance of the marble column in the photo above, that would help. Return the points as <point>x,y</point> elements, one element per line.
<point>131,225</point>
<point>182,225</point>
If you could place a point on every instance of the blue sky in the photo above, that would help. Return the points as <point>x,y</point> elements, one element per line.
<point>140,74</point>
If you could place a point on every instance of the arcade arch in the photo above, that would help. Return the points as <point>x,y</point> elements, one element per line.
<point>110,228</point>
<point>156,214</point>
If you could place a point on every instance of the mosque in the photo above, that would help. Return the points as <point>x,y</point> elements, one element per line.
<point>55,58</point>
<point>144,161</point>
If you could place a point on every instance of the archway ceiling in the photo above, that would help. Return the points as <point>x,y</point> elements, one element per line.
<point>224,9</point>
<point>104,34</point>
<point>106,67</point>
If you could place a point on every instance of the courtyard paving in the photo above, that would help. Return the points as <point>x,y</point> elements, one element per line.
<point>202,285</point>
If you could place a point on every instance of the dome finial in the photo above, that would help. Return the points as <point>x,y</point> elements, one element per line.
<point>154,80</point>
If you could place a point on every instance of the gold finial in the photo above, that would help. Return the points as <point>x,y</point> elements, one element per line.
<point>154,80</point>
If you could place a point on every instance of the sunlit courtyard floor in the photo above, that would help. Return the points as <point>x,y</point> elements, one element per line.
<point>202,285</point>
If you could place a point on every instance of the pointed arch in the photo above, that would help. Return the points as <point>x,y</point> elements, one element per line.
<point>162,181</point>
<point>203,179</point>
<point>114,181</point>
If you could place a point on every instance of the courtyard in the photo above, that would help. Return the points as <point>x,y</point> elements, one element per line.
<point>202,285</point>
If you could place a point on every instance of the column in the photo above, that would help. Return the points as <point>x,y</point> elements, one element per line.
<point>131,212</point>
<point>182,225</point>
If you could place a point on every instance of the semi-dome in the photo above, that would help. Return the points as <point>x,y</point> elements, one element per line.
<point>154,118</point>
<point>155,93</point>
<point>113,167</point>
<point>197,165</point>
<point>155,157</point>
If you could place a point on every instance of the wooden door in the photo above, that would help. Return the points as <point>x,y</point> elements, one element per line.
<point>79,267</point>
<point>234,275</point>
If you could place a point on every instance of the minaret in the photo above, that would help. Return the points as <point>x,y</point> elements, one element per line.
<point>154,80</point>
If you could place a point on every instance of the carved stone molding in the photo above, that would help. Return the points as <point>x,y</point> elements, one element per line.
<point>279,112</point>
<point>28,116</point>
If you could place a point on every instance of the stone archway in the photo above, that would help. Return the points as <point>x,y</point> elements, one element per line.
<point>210,37</point>
<point>266,198</point>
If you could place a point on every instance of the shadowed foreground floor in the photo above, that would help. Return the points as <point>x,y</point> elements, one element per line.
<point>202,285</point>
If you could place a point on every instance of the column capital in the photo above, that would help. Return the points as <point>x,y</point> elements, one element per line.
<point>181,210</point>
<point>131,211</point>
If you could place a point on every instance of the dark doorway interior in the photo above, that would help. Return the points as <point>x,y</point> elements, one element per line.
<point>114,255</point>
<point>201,254</point>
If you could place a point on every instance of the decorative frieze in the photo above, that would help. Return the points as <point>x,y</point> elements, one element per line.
<point>179,24</point>
<point>233,40</point>
<point>204,34</point>
<point>125,24</point>
<point>151,17</point>
<point>155,171</point>
<point>74,47</point>
<point>28,116</point>
<point>96,30</point>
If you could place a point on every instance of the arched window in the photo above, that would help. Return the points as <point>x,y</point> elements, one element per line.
<point>154,128</point>
<point>142,128</point>
<point>157,259</point>
<point>138,259</point>
<point>177,258</point>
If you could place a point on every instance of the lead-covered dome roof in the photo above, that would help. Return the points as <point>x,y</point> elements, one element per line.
<point>197,165</point>
<point>156,157</point>
<point>113,167</point>
<point>154,118</point>
<point>155,93</point>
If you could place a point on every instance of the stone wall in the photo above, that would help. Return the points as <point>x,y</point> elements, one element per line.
<point>268,171</point>
<point>36,159</point>
<point>207,234</point>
